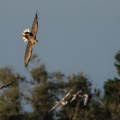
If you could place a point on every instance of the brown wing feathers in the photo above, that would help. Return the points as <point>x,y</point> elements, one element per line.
<point>34,27</point>
<point>28,53</point>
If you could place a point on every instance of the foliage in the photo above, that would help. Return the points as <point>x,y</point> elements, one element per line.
<point>10,99</point>
<point>111,98</point>
<point>44,88</point>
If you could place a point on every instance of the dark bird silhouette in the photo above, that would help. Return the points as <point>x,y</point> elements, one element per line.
<point>30,36</point>
<point>76,96</point>
<point>61,102</point>
<point>6,85</point>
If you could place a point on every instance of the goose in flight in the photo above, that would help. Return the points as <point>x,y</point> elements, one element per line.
<point>6,85</point>
<point>61,102</point>
<point>87,98</point>
<point>30,37</point>
<point>76,96</point>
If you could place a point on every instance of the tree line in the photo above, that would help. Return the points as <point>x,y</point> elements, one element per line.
<point>43,88</point>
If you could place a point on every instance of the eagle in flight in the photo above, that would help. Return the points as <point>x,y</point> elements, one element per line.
<point>30,36</point>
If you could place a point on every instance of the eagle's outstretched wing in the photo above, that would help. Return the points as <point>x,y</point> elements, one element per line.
<point>34,27</point>
<point>28,53</point>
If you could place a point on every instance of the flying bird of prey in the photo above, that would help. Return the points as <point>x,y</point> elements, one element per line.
<point>30,36</point>
<point>61,102</point>
<point>5,86</point>
<point>76,96</point>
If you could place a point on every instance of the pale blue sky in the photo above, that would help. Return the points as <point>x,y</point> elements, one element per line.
<point>74,35</point>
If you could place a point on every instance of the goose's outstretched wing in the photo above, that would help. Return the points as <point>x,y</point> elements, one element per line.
<point>73,98</point>
<point>34,27</point>
<point>28,53</point>
<point>55,106</point>
<point>66,96</point>
<point>86,100</point>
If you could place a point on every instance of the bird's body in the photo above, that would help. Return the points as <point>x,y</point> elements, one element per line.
<point>30,36</point>
<point>62,102</point>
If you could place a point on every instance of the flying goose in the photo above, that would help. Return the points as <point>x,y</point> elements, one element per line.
<point>76,96</point>
<point>30,36</point>
<point>87,98</point>
<point>61,102</point>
